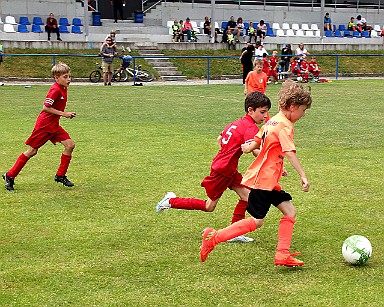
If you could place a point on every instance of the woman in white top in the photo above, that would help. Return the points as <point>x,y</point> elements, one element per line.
<point>240,28</point>
<point>300,51</point>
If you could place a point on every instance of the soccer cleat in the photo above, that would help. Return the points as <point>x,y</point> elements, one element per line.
<point>207,244</point>
<point>64,180</point>
<point>288,260</point>
<point>9,182</point>
<point>164,203</point>
<point>242,239</point>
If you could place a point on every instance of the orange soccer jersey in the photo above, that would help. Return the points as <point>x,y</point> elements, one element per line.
<point>256,82</point>
<point>276,138</point>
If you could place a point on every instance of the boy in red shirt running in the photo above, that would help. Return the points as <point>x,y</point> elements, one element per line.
<point>273,63</point>
<point>275,140</point>
<point>256,80</point>
<point>224,168</point>
<point>47,128</point>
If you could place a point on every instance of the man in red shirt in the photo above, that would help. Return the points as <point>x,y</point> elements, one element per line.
<point>224,168</point>
<point>47,128</point>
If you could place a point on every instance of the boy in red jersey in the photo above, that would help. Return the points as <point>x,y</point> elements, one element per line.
<point>47,128</point>
<point>266,67</point>
<point>314,69</point>
<point>304,65</point>
<point>295,66</point>
<point>275,140</point>
<point>273,64</point>
<point>256,80</point>
<point>224,168</point>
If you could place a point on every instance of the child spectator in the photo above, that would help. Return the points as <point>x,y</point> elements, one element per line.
<point>176,32</point>
<point>256,80</point>
<point>361,24</point>
<point>251,32</point>
<point>112,36</point>
<point>351,24</point>
<point>273,65</point>
<point>224,168</point>
<point>231,40</point>
<point>125,60</point>
<point>314,68</point>
<point>261,29</point>
<point>275,140</point>
<point>327,23</point>
<point>181,26</point>
<point>47,128</point>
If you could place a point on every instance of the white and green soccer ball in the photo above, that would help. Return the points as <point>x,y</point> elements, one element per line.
<point>357,249</point>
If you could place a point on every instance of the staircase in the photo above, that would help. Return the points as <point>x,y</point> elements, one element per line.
<point>165,68</point>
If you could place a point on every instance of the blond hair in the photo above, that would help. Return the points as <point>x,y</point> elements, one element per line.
<point>292,93</point>
<point>60,69</point>
<point>258,61</point>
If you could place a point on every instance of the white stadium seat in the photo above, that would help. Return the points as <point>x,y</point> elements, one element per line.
<point>309,33</point>
<point>275,26</point>
<point>295,26</point>
<point>314,27</point>
<point>280,32</point>
<point>377,28</point>
<point>285,26</point>
<point>170,23</point>
<point>8,28</point>
<point>290,32</point>
<point>304,27</point>
<point>195,27</point>
<point>300,33</point>
<point>317,33</point>
<point>10,20</point>
<point>374,33</point>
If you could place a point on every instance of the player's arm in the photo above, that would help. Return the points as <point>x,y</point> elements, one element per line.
<point>246,88</point>
<point>251,147</point>
<point>292,158</point>
<point>219,138</point>
<point>59,113</point>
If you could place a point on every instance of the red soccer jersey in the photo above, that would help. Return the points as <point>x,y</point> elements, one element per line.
<point>227,159</point>
<point>273,62</point>
<point>304,65</point>
<point>294,66</point>
<point>266,66</point>
<point>57,99</point>
<point>313,65</point>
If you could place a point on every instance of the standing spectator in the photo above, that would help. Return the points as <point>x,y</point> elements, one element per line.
<point>251,32</point>
<point>300,51</point>
<point>286,53</point>
<point>118,5</point>
<point>241,31</point>
<point>1,53</point>
<point>187,28</point>
<point>107,53</point>
<point>261,29</point>
<point>112,36</point>
<point>52,26</point>
<point>260,50</point>
<point>246,60</point>
<point>351,24</point>
<point>256,80</point>
<point>47,128</point>
<point>327,23</point>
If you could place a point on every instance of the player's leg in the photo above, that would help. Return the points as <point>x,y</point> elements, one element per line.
<point>65,160</point>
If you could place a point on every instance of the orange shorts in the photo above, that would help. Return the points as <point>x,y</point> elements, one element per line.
<point>41,136</point>
<point>215,184</point>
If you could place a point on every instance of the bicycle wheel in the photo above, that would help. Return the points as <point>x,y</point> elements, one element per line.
<point>122,76</point>
<point>95,76</point>
<point>145,76</point>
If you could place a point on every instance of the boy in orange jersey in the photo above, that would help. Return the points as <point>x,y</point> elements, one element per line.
<point>47,128</point>
<point>314,69</point>
<point>275,140</point>
<point>273,64</point>
<point>224,168</point>
<point>256,80</point>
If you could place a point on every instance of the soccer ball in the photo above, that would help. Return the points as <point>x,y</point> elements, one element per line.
<point>356,250</point>
<point>299,79</point>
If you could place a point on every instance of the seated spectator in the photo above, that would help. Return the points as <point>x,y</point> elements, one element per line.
<point>260,50</point>
<point>351,24</point>
<point>208,27</point>
<point>181,26</point>
<point>361,24</point>
<point>273,66</point>
<point>231,40</point>
<point>52,26</point>
<point>1,53</point>
<point>327,23</point>
<point>251,32</point>
<point>261,29</point>
<point>240,28</point>
<point>314,69</point>
<point>231,25</point>
<point>176,31</point>
<point>286,55</point>
<point>187,28</point>
<point>300,51</point>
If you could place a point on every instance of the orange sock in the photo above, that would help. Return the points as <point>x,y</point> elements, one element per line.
<point>285,234</point>
<point>234,230</point>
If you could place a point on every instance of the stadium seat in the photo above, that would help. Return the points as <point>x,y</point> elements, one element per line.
<point>22,29</point>
<point>347,33</point>
<point>342,28</point>
<point>377,28</point>
<point>270,33</point>
<point>290,32</point>
<point>10,20</point>
<point>328,33</point>
<point>24,20</point>
<point>267,24</point>
<point>280,32</point>
<point>36,29</point>
<point>224,25</point>
<point>8,28</point>
<point>1,22</point>
<point>305,27</point>
<point>300,33</point>
<point>170,23</point>
<point>337,33</point>
<point>77,22</point>
<point>275,26</point>
<point>37,21</point>
<point>63,21</point>
<point>317,33</point>
<point>246,25</point>
<point>365,34</point>
<point>356,34</point>
<point>295,26</point>
<point>195,27</point>
<point>285,26</point>
<point>217,25</point>
<point>63,29</point>
<point>314,27</point>
<point>374,33</point>
<point>76,30</point>
<point>309,33</point>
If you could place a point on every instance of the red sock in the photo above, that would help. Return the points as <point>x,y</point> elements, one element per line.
<point>234,230</point>
<point>239,212</point>
<point>64,163</point>
<point>187,203</point>
<point>18,166</point>
<point>285,234</point>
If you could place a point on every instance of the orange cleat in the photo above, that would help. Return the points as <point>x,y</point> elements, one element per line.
<point>207,244</point>
<point>288,260</point>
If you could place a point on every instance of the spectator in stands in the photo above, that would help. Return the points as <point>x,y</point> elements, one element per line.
<point>327,22</point>
<point>231,40</point>
<point>314,69</point>
<point>361,24</point>
<point>208,27</point>
<point>261,29</point>
<point>187,28</point>
<point>118,5</point>
<point>300,51</point>
<point>1,53</point>
<point>246,59</point>
<point>176,31</point>
<point>181,26</point>
<point>108,53</point>
<point>52,26</point>
<point>231,25</point>
<point>286,53</point>
<point>260,50</point>
<point>351,24</point>
<point>251,32</point>
<point>241,31</point>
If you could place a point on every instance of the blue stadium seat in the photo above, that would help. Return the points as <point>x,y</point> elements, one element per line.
<point>267,24</point>
<point>365,34</point>
<point>24,20</point>
<point>347,33</point>
<point>22,29</point>
<point>270,32</point>
<point>76,22</point>
<point>356,34</point>
<point>342,28</point>
<point>338,33</point>
<point>224,25</point>
<point>76,30</point>
<point>246,25</point>
<point>37,21</point>
<point>63,21</point>
<point>63,29</point>
<point>328,33</point>
<point>36,29</point>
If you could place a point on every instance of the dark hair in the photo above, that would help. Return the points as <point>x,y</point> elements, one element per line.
<point>261,21</point>
<point>256,100</point>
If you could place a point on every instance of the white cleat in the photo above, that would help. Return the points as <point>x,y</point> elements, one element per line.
<point>242,239</point>
<point>164,203</point>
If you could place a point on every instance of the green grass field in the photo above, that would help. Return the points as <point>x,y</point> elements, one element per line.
<point>102,244</point>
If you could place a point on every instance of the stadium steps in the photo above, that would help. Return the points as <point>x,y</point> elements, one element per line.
<point>164,67</point>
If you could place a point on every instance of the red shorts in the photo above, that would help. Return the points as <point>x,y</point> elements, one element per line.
<point>215,184</point>
<point>41,136</point>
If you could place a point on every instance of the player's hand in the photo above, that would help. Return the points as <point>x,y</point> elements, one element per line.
<point>305,184</point>
<point>284,172</point>
<point>69,114</point>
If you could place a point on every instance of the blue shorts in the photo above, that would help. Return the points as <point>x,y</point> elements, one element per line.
<point>259,201</point>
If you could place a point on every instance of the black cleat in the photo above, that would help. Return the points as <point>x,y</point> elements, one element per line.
<point>64,180</point>
<point>9,182</point>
